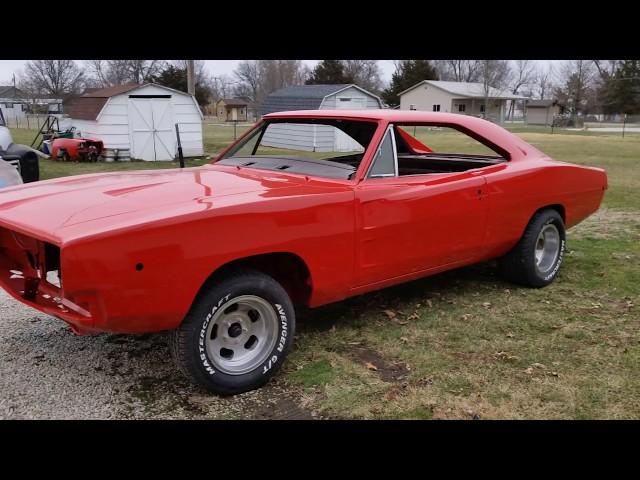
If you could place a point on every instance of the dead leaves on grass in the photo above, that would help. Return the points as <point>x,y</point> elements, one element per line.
<point>534,367</point>
<point>371,366</point>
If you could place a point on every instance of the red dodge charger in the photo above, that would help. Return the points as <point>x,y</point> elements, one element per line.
<point>307,208</point>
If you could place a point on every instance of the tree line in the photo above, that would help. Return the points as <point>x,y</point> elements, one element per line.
<point>583,86</point>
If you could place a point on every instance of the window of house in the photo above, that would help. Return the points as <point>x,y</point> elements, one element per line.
<point>462,107</point>
<point>436,108</point>
<point>412,107</point>
<point>482,109</point>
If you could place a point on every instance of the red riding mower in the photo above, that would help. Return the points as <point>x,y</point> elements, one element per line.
<point>76,149</point>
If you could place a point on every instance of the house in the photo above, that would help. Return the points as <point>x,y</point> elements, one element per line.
<point>541,112</point>
<point>457,97</point>
<point>15,103</point>
<point>315,97</point>
<point>12,102</point>
<point>141,118</point>
<point>231,109</point>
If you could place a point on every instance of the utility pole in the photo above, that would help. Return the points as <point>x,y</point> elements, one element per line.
<point>191,78</point>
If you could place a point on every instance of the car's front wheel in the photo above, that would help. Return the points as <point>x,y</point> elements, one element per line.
<point>537,257</point>
<point>236,335</point>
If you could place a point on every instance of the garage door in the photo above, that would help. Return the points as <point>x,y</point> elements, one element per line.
<point>344,143</point>
<point>152,129</point>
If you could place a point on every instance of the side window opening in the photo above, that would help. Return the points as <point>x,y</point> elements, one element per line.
<point>422,150</point>
<point>385,162</point>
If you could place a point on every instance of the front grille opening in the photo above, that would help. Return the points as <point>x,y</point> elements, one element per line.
<point>52,264</point>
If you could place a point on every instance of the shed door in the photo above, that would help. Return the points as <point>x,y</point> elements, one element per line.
<point>152,129</point>
<point>344,143</point>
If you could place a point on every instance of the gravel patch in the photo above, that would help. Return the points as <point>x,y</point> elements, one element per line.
<point>47,372</point>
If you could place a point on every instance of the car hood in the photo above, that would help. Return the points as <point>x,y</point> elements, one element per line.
<point>57,209</point>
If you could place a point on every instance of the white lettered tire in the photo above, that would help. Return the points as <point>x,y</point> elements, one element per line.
<point>537,257</point>
<point>237,333</point>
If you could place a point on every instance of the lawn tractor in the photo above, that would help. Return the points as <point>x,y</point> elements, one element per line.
<point>76,149</point>
<point>23,158</point>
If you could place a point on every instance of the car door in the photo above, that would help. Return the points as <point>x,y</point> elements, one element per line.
<point>408,224</point>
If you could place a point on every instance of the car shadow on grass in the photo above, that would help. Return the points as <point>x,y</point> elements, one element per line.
<point>443,286</point>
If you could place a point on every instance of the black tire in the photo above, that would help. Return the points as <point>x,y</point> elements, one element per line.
<point>65,156</point>
<point>520,265</point>
<point>191,346</point>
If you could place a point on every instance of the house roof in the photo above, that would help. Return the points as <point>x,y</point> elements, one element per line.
<point>541,103</point>
<point>9,91</point>
<point>466,89</point>
<point>234,102</point>
<point>302,97</point>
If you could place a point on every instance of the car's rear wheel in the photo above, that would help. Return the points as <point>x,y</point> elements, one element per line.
<point>236,335</point>
<point>537,257</point>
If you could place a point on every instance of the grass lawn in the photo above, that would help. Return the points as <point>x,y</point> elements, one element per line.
<point>465,344</point>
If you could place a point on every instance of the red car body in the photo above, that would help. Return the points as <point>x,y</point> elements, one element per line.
<point>135,248</point>
<point>76,149</point>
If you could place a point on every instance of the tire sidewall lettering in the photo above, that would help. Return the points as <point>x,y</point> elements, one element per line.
<point>560,258</point>
<point>202,351</point>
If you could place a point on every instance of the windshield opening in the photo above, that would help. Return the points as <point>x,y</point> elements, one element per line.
<point>331,148</point>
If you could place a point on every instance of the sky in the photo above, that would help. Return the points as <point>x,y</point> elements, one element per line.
<point>215,67</point>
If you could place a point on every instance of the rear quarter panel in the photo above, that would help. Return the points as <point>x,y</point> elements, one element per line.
<point>525,186</point>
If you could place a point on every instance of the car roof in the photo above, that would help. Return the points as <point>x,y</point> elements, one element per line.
<point>376,114</point>
<point>507,144</point>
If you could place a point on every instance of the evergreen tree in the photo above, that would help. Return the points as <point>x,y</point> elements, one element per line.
<point>176,78</point>
<point>623,90</point>
<point>407,74</point>
<point>329,72</point>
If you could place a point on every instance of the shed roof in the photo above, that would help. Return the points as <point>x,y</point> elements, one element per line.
<point>234,102</point>
<point>301,97</point>
<point>466,89</point>
<point>89,105</point>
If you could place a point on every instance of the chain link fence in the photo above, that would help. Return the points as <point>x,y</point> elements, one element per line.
<point>30,120</point>
<point>621,123</point>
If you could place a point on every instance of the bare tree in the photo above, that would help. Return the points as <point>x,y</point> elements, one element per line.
<point>248,75</point>
<point>522,75</point>
<point>459,70</point>
<point>494,74</point>
<point>543,81</point>
<point>57,78</point>
<point>144,70</point>
<point>365,73</point>
<point>257,78</point>
<point>107,73</point>
<point>222,87</point>
<point>576,80</point>
<point>606,68</point>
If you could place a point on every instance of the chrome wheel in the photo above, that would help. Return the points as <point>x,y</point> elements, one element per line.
<point>547,248</point>
<point>241,334</point>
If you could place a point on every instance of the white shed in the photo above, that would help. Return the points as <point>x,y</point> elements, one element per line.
<point>317,138</point>
<point>141,118</point>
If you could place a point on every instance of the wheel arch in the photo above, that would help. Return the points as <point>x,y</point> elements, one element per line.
<point>287,268</point>
<point>558,207</point>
